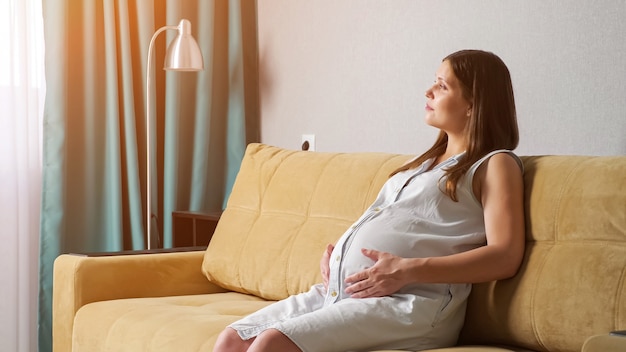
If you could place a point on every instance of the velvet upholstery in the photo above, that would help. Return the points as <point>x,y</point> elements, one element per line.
<point>571,283</point>
<point>286,205</point>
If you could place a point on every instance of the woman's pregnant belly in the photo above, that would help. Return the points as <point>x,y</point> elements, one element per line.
<point>396,235</point>
<point>403,234</point>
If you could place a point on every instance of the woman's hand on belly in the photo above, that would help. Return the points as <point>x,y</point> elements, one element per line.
<point>384,278</point>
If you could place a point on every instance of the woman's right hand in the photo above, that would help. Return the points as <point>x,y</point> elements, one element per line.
<point>325,264</point>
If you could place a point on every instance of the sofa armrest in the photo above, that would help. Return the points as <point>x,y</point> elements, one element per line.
<point>605,343</point>
<point>82,279</point>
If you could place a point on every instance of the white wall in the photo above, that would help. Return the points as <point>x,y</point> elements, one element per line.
<point>354,72</point>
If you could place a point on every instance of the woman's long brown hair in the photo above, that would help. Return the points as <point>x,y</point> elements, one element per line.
<point>486,84</point>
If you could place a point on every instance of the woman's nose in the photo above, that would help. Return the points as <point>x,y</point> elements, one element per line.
<point>428,93</point>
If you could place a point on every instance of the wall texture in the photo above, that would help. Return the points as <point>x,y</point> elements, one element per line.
<point>354,72</point>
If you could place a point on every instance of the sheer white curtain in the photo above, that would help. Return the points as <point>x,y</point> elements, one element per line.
<point>22,91</point>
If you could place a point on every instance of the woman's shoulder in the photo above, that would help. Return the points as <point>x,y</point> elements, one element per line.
<point>501,169</point>
<point>501,158</point>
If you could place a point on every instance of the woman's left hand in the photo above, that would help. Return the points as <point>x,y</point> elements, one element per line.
<point>384,278</point>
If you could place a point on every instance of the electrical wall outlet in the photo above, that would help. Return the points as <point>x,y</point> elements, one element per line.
<point>308,142</point>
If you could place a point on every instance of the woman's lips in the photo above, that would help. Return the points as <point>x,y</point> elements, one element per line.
<point>428,108</point>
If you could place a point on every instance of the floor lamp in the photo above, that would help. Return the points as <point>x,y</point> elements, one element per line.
<point>183,54</point>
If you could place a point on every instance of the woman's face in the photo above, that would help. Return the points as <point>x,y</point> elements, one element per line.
<point>446,107</point>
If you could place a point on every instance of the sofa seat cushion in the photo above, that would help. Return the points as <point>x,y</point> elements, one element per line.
<point>176,323</point>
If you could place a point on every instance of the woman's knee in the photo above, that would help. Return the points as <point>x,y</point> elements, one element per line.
<point>273,340</point>
<point>229,341</point>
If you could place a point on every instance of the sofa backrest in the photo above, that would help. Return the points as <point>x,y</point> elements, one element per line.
<point>572,282</point>
<point>287,205</point>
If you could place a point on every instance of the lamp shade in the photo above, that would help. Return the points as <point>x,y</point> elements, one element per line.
<point>183,54</point>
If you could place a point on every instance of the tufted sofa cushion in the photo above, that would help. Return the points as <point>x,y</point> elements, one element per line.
<point>286,206</point>
<point>572,283</point>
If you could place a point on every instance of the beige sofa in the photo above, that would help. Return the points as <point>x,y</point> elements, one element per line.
<point>287,205</point>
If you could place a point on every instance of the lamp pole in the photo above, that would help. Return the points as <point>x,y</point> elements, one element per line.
<point>183,54</point>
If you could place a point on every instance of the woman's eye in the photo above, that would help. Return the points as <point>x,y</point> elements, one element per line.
<point>440,85</point>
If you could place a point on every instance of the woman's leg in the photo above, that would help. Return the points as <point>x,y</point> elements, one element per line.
<point>255,324</point>
<point>273,340</point>
<point>229,341</point>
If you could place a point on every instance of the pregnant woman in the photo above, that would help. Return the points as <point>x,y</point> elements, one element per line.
<point>400,276</point>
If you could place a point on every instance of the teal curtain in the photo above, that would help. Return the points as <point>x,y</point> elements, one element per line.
<point>94,122</point>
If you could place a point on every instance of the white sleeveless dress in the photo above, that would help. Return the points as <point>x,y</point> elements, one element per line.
<point>411,218</point>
